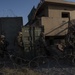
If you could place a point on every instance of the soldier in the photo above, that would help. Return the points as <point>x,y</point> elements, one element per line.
<point>3,45</point>
<point>57,49</point>
<point>20,44</point>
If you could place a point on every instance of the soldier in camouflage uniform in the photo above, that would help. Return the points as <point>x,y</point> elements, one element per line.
<point>3,45</point>
<point>20,44</point>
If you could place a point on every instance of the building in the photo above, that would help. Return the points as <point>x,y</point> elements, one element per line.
<point>54,15</point>
<point>10,27</point>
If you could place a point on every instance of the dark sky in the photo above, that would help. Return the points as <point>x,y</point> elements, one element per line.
<point>13,8</point>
